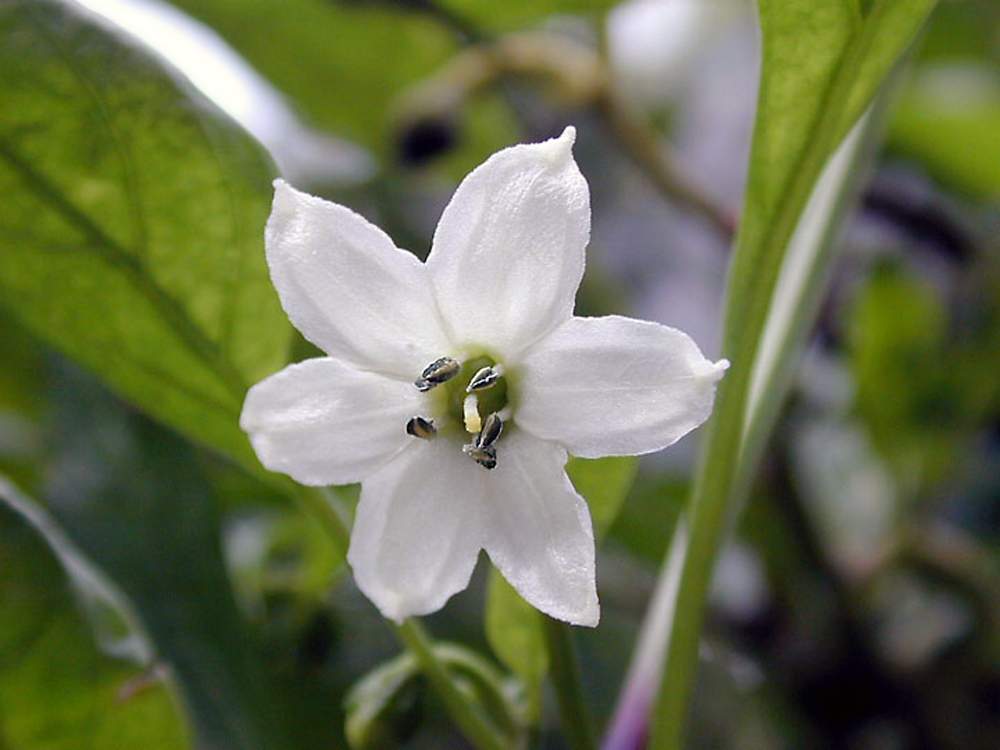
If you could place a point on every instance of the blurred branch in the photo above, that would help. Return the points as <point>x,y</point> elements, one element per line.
<point>579,77</point>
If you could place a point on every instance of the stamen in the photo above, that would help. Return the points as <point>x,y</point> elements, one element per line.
<point>439,371</point>
<point>470,414</point>
<point>421,428</point>
<point>485,378</point>
<point>485,456</point>
<point>492,428</point>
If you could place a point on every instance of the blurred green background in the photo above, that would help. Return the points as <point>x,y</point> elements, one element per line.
<point>858,605</point>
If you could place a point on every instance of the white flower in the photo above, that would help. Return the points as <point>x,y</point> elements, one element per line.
<point>496,292</point>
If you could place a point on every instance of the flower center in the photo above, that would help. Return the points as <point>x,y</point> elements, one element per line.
<point>471,399</point>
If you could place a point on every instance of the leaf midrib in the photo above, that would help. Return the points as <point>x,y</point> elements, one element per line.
<point>135,271</point>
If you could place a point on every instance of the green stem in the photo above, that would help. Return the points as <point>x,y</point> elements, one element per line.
<point>324,505</point>
<point>565,676</point>
<point>724,468</point>
<point>473,724</point>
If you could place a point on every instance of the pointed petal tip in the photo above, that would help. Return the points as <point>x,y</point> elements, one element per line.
<point>284,195</point>
<point>560,149</point>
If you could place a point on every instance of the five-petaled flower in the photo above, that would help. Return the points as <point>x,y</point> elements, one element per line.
<point>455,389</point>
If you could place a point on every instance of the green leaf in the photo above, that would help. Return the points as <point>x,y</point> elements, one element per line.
<point>604,484</point>
<point>57,690</point>
<point>822,63</point>
<point>351,60</point>
<point>514,628</point>
<point>132,231</point>
<point>514,631</point>
<point>377,703</point>
<point>130,498</point>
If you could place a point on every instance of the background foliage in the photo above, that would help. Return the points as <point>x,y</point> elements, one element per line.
<point>856,606</point>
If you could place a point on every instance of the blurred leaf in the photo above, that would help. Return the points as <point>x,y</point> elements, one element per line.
<point>514,631</point>
<point>514,627</point>
<point>920,391</point>
<point>512,16</point>
<point>643,527</point>
<point>108,611</point>
<point>377,705</point>
<point>341,63</point>
<point>369,55</point>
<point>22,384</point>
<point>604,484</point>
<point>376,702</point>
<point>131,498</point>
<point>944,111</point>
<point>133,224</point>
<point>57,691</point>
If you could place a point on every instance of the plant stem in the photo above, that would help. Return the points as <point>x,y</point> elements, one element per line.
<point>565,676</point>
<point>726,465</point>
<point>468,718</point>
<point>323,505</point>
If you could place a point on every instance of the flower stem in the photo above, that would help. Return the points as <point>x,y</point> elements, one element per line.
<point>565,675</point>
<point>469,719</point>
<point>323,504</point>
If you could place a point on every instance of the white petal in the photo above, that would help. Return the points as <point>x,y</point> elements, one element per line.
<point>325,422</point>
<point>349,289</point>
<point>417,532</point>
<point>615,386</point>
<point>538,530</point>
<point>509,250</point>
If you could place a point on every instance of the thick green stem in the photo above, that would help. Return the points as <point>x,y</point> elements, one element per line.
<point>723,474</point>
<point>469,719</point>
<point>565,676</point>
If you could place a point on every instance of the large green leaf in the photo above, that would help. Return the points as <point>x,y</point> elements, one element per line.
<point>353,60</point>
<point>341,63</point>
<point>130,497</point>
<point>57,690</point>
<point>822,63</point>
<point>131,235</point>
<point>514,628</point>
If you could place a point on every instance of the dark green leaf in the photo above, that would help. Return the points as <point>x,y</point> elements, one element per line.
<point>377,704</point>
<point>514,631</point>
<point>57,690</point>
<point>514,627</point>
<point>604,484</point>
<point>132,230</point>
<point>131,498</point>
